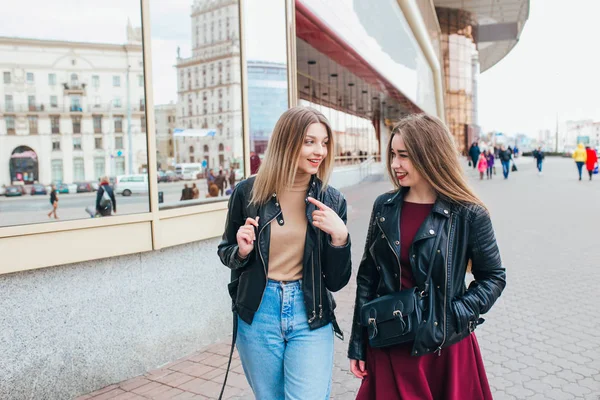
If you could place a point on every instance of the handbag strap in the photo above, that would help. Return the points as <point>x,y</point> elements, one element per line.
<point>233,340</point>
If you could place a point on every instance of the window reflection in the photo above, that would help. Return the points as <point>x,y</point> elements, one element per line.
<point>197,92</point>
<point>57,107</point>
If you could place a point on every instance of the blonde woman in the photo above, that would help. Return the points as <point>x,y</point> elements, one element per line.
<point>421,345</point>
<point>287,246</point>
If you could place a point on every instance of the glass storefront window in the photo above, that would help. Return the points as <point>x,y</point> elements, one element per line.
<point>61,68</point>
<point>267,73</point>
<point>189,98</point>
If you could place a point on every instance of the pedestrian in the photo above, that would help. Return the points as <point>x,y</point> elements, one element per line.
<point>106,204</point>
<point>482,165</point>
<point>474,153</point>
<point>53,202</point>
<point>591,160</point>
<point>516,151</point>
<point>221,182</point>
<point>231,179</point>
<point>412,335</point>
<point>580,157</point>
<point>186,193</point>
<point>254,163</point>
<point>539,158</point>
<point>490,164</point>
<point>195,192</point>
<point>210,179</point>
<point>505,156</point>
<point>287,245</point>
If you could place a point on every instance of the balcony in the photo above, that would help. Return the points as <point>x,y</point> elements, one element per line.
<point>74,88</point>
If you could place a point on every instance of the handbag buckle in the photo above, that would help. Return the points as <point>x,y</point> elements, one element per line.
<point>398,314</point>
<point>373,322</point>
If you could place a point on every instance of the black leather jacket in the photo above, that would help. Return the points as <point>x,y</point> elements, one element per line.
<point>451,311</point>
<point>327,268</point>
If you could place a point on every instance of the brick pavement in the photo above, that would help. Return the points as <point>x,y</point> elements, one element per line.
<point>540,341</point>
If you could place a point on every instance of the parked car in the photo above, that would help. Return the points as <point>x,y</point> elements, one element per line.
<point>14,191</point>
<point>62,188</point>
<point>131,184</point>
<point>95,186</point>
<point>38,189</point>
<point>84,187</point>
<point>172,176</point>
<point>163,177</point>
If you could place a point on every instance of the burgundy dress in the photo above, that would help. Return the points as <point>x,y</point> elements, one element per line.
<point>393,374</point>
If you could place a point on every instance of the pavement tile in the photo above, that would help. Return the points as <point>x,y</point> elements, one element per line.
<point>200,386</point>
<point>109,394</point>
<point>174,379</point>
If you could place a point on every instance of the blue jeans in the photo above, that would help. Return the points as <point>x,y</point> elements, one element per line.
<point>284,359</point>
<point>539,165</point>
<point>505,168</point>
<point>579,167</point>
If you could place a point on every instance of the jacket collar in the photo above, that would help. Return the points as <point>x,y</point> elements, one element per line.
<point>389,219</point>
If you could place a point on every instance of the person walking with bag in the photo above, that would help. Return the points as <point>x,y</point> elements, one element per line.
<point>106,204</point>
<point>591,159</point>
<point>505,156</point>
<point>412,332</point>
<point>539,158</point>
<point>54,202</point>
<point>580,157</point>
<point>288,247</point>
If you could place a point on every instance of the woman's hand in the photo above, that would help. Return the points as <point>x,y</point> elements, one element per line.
<point>246,236</point>
<point>358,368</point>
<point>329,222</point>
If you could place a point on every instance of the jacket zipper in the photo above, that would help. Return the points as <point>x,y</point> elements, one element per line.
<point>314,311</point>
<point>393,251</point>
<point>262,259</point>
<point>447,271</point>
<point>320,273</point>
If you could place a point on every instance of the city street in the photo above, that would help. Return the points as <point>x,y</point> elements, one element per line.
<point>540,340</point>
<point>29,209</point>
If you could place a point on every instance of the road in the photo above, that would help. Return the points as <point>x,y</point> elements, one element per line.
<point>29,209</point>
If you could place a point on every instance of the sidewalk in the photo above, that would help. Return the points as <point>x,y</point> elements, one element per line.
<point>200,375</point>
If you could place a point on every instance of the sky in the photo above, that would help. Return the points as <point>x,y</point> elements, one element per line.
<point>554,69</point>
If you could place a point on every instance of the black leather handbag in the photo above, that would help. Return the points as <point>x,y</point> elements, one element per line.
<point>394,318</point>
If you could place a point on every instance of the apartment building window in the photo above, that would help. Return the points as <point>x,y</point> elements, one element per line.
<point>99,167</point>
<point>95,81</point>
<point>8,102</point>
<point>51,79</point>
<point>119,142</point>
<point>78,171</point>
<point>7,77</point>
<point>56,145</point>
<point>116,81</point>
<point>57,171</point>
<point>54,101</point>
<point>97,101</point>
<point>120,166</point>
<point>55,123</point>
<point>76,124</point>
<point>77,143</point>
<point>76,104</point>
<point>31,103</point>
<point>10,124</point>
<point>118,124</point>
<point>33,124</point>
<point>30,77</point>
<point>97,123</point>
<point>117,102</point>
<point>74,80</point>
<point>143,124</point>
<point>98,143</point>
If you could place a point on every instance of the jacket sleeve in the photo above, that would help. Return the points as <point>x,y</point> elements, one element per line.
<point>336,260</point>
<point>366,285</point>
<point>490,275</point>
<point>228,248</point>
<point>99,194</point>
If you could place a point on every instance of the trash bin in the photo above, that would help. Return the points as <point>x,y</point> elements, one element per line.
<point>160,197</point>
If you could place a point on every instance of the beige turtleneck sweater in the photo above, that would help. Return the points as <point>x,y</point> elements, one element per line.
<point>286,250</point>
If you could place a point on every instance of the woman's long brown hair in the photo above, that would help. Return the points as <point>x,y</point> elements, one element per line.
<point>434,155</point>
<point>278,169</point>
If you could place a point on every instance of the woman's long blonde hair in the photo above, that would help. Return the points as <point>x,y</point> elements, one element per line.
<point>434,155</point>
<point>278,169</point>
